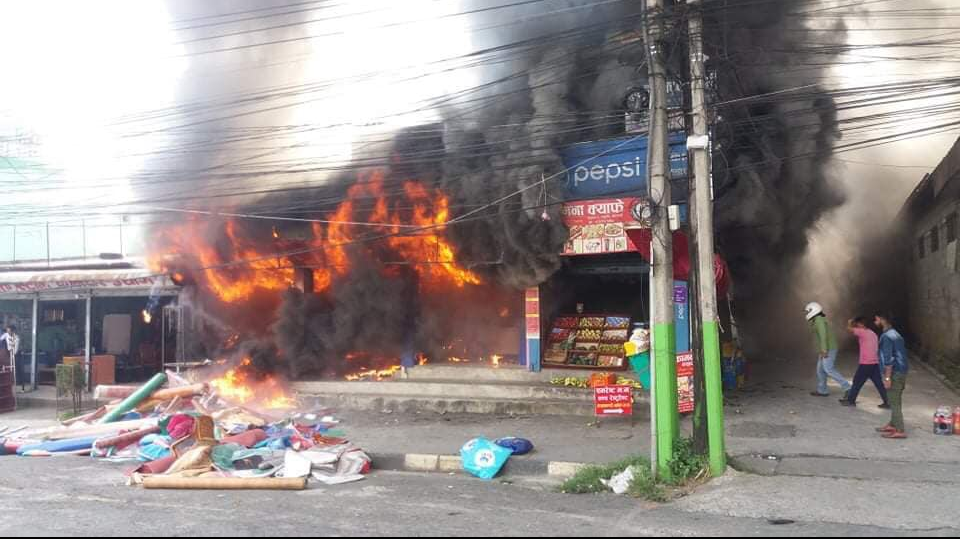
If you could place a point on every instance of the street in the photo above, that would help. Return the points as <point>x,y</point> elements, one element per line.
<point>60,497</point>
<point>830,476</point>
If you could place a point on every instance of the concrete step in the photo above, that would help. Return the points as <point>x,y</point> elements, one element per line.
<point>456,389</point>
<point>457,396</point>
<point>506,373</point>
<point>408,404</point>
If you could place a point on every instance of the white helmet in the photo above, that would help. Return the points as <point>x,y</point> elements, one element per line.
<point>813,309</point>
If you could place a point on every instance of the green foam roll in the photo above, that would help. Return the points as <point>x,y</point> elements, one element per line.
<point>132,401</point>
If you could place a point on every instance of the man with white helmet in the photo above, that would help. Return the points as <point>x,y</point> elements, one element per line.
<point>826,342</point>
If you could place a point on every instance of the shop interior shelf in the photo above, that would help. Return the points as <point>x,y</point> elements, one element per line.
<point>585,367</point>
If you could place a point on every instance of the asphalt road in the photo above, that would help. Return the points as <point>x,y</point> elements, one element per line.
<point>75,496</point>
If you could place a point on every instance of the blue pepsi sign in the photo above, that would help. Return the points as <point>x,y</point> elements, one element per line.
<point>617,167</point>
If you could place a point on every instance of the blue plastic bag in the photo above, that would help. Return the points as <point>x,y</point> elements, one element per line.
<point>519,446</point>
<point>483,458</point>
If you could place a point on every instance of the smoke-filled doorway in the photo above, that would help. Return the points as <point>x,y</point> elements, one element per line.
<point>479,326</point>
<point>589,309</point>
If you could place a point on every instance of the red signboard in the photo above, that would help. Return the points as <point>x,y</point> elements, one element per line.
<point>598,226</point>
<point>532,312</point>
<point>613,400</point>
<point>685,390</point>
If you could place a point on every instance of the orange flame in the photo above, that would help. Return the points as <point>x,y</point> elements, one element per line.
<point>237,386</point>
<point>376,375</point>
<point>412,226</point>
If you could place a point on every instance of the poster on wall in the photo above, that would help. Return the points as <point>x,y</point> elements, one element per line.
<point>685,389</point>
<point>598,226</point>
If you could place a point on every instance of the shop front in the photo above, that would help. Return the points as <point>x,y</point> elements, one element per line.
<point>582,317</point>
<point>106,320</point>
<point>589,309</point>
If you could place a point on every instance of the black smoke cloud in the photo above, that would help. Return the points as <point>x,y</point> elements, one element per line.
<point>565,84</point>
<point>771,175</point>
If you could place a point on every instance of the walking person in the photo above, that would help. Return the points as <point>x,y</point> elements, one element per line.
<point>896,366</point>
<point>869,368</point>
<point>826,342</point>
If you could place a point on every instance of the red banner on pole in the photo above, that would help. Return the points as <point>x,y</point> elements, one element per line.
<point>685,389</point>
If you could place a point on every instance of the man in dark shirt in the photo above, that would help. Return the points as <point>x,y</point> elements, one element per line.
<point>895,363</point>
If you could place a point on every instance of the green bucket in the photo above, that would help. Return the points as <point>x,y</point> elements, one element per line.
<point>640,364</point>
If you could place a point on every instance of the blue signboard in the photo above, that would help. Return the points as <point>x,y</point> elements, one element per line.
<point>681,315</point>
<point>617,167</point>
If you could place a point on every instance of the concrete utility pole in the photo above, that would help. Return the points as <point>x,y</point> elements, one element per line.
<point>667,419</point>
<point>701,219</point>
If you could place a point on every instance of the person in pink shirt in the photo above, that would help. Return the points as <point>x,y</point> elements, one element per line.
<point>869,363</point>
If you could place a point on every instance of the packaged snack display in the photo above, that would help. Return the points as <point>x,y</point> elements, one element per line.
<point>588,341</point>
<point>596,322</point>
<point>617,322</point>
<point>615,335</point>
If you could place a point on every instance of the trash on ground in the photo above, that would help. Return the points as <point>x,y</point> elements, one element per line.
<point>621,482</point>
<point>180,435</point>
<point>519,446</point>
<point>483,458</point>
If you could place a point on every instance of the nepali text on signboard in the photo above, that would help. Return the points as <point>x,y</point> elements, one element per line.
<point>613,400</point>
<point>72,284</point>
<point>597,226</point>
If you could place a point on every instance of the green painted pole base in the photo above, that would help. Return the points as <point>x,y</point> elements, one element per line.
<point>714,384</point>
<point>668,418</point>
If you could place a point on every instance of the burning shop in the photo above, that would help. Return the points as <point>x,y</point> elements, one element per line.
<point>588,309</point>
<point>356,292</point>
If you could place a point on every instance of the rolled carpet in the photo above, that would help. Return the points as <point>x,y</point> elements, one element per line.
<point>60,446</point>
<point>224,483</point>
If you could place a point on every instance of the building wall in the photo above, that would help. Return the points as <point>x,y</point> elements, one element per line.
<point>934,287</point>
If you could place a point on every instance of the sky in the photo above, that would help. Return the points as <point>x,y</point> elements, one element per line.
<point>73,126</point>
<point>89,109</point>
<point>879,179</point>
<point>68,80</point>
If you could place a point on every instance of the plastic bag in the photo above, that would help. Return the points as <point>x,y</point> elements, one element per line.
<point>620,483</point>
<point>483,458</point>
<point>641,340</point>
<point>519,446</point>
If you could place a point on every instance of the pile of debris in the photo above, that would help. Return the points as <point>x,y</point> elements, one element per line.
<point>183,435</point>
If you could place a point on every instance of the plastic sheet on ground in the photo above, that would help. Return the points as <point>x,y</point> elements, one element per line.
<point>483,458</point>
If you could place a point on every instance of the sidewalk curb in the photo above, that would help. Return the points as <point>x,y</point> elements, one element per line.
<point>450,464</point>
<point>918,359</point>
<point>754,465</point>
<point>824,467</point>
